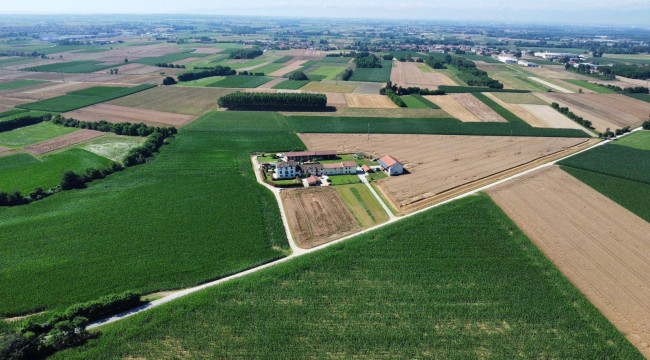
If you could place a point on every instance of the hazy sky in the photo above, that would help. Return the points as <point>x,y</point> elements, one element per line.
<point>632,12</point>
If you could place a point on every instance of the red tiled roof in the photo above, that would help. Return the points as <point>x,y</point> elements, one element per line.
<point>389,160</point>
<point>283,164</point>
<point>365,168</point>
<point>332,166</point>
<point>312,179</point>
<point>349,163</point>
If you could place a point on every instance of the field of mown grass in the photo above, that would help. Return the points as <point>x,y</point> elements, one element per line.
<point>17,84</point>
<point>268,68</point>
<point>417,101</point>
<point>364,206</point>
<point>459,281</point>
<point>193,214</point>
<point>24,172</point>
<point>32,134</point>
<point>73,67</point>
<point>374,74</point>
<point>79,99</point>
<point>619,170</point>
<point>202,82</point>
<point>242,81</point>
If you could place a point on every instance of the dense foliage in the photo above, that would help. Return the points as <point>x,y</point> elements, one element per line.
<point>467,71</point>
<point>278,101</point>
<point>206,72</point>
<point>245,53</point>
<point>347,74</point>
<point>366,60</point>
<point>23,120</point>
<point>169,81</point>
<point>298,76</point>
<point>505,113</point>
<point>395,98</point>
<point>572,116</point>
<point>631,71</point>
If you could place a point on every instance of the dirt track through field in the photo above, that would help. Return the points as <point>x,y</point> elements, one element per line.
<point>63,141</point>
<point>441,166</point>
<point>552,86</point>
<point>612,111</point>
<point>600,246</point>
<point>317,216</point>
<point>453,108</point>
<point>408,74</point>
<point>478,108</point>
<point>116,114</point>
<point>6,151</point>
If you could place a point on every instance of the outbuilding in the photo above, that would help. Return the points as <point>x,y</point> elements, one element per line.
<point>313,180</point>
<point>391,165</point>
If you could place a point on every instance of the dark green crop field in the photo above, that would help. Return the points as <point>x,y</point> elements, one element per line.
<point>24,172</point>
<point>170,58</point>
<point>17,84</point>
<point>78,67</point>
<point>619,170</point>
<point>193,214</point>
<point>78,99</point>
<point>242,81</point>
<point>444,126</point>
<point>459,281</point>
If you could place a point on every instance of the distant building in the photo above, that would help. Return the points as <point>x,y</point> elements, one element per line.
<point>527,63</point>
<point>391,165</point>
<point>554,55</point>
<point>507,59</point>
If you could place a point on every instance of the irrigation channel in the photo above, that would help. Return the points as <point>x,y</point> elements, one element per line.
<point>297,251</point>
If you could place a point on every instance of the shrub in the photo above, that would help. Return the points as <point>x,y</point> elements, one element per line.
<point>70,180</point>
<point>259,101</point>
<point>395,98</point>
<point>245,53</point>
<point>366,60</point>
<point>347,74</point>
<point>646,125</point>
<point>169,81</point>
<point>298,75</point>
<point>22,121</point>
<point>206,72</point>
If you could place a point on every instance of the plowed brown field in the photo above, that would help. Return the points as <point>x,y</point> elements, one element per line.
<point>63,141</point>
<point>317,216</point>
<point>116,114</point>
<point>453,108</point>
<point>409,74</point>
<point>600,246</point>
<point>612,111</point>
<point>478,108</point>
<point>443,165</point>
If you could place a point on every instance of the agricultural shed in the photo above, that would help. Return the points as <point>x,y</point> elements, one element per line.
<point>391,165</point>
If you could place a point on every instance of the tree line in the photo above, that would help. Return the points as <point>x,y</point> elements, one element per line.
<point>408,90</point>
<point>395,98</point>
<point>24,120</point>
<point>206,72</point>
<point>245,53</point>
<point>65,329</point>
<point>468,72</point>
<point>170,65</point>
<point>264,101</point>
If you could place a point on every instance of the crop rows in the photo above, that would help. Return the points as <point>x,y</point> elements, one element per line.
<point>83,98</point>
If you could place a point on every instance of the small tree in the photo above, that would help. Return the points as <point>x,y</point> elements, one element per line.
<point>298,75</point>
<point>126,61</point>
<point>169,81</point>
<point>70,181</point>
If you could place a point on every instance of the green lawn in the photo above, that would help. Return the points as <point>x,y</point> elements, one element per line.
<point>80,67</point>
<point>194,213</point>
<point>413,103</point>
<point>344,179</point>
<point>459,281</point>
<point>376,175</point>
<point>590,86</point>
<point>12,85</point>
<point>242,81</point>
<point>329,72</point>
<point>291,84</point>
<point>32,134</point>
<point>78,99</point>
<point>374,74</point>
<point>24,172</point>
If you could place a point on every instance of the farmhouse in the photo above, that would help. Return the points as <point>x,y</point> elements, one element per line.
<point>342,168</point>
<point>313,180</point>
<point>301,156</point>
<point>285,170</point>
<point>289,169</point>
<point>391,165</point>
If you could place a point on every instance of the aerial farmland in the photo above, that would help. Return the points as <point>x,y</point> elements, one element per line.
<point>206,186</point>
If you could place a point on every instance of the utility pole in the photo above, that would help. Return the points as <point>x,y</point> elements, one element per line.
<point>368,139</point>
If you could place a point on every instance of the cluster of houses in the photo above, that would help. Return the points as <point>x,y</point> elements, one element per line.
<point>305,164</point>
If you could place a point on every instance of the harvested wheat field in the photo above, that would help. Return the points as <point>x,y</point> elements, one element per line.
<point>409,74</point>
<point>600,246</point>
<point>292,65</point>
<point>330,86</point>
<point>63,141</point>
<point>336,99</point>
<point>552,86</point>
<point>369,101</point>
<point>272,83</point>
<point>612,111</point>
<point>317,216</point>
<point>117,114</point>
<point>551,117</point>
<point>441,166</point>
<point>453,107</point>
<point>517,98</point>
<point>175,99</point>
<point>138,69</point>
<point>478,108</point>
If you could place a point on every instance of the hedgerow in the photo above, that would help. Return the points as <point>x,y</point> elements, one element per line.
<point>206,72</point>
<point>395,98</point>
<point>279,101</point>
<point>245,53</point>
<point>23,120</point>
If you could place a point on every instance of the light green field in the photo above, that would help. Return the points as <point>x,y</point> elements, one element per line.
<point>24,172</point>
<point>519,98</point>
<point>202,82</point>
<point>516,78</point>
<point>330,72</point>
<point>639,140</point>
<point>413,103</point>
<point>363,205</point>
<point>111,146</point>
<point>12,85</point>
<point>32,134</point>
<point>587,85</point>
<point>330,86</point>
<point>268,68</point>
